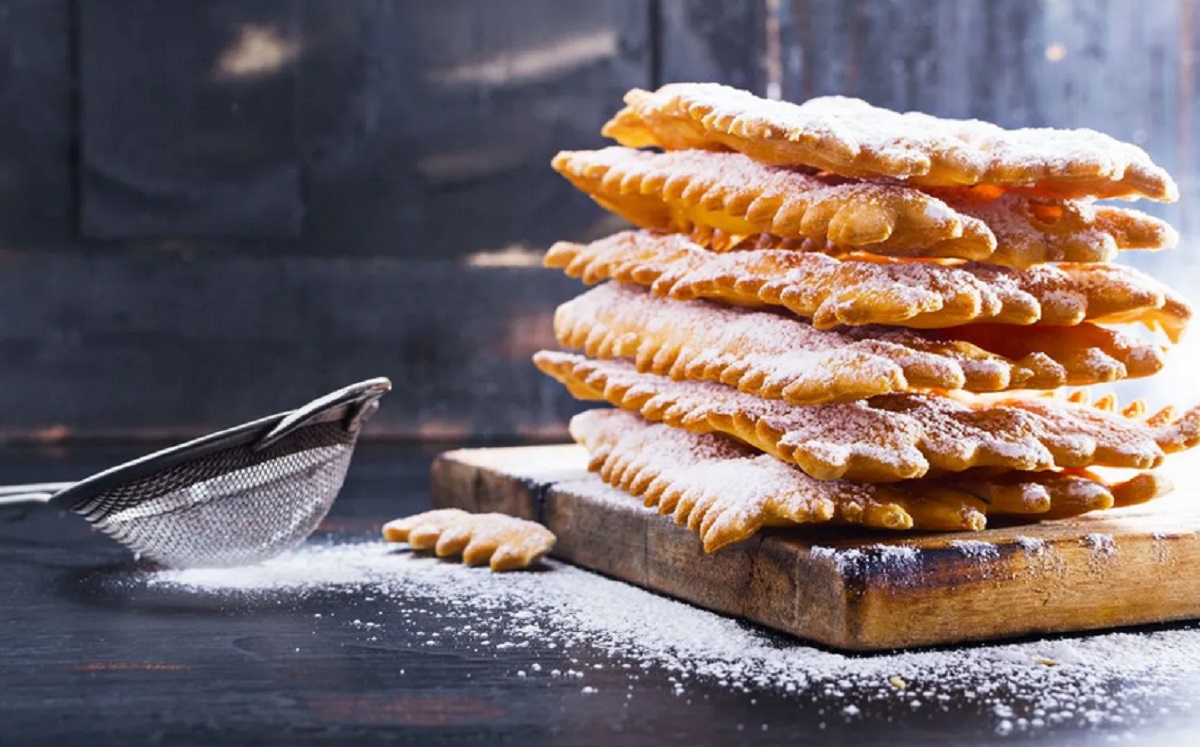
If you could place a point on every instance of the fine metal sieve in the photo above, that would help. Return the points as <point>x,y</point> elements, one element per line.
<point>235,497</point>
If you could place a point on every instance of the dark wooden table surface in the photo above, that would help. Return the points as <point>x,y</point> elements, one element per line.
<point>85,660</point>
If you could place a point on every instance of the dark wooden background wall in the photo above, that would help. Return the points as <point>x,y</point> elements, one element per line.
<point>211,209</point>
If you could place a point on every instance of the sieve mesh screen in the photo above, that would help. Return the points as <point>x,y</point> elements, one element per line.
<point>231,507</point>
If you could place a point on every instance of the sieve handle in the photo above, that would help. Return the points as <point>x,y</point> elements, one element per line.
<point>21,499</point>
<point>10,494</point>
<point>27,496</point>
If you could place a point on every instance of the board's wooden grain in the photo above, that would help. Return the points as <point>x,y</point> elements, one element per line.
<point>854,589</point>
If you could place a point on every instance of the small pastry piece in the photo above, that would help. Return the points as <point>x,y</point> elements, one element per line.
<point>507,542</point>
<point>856,291</point>
<point>781,357</point>
<point>891,437</point>
<point>725,197</point>
<point>727,491</point>
<point>727,192</point>
<point>851,137</point>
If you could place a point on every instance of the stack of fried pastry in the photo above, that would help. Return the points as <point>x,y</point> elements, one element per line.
<point>832,312</point>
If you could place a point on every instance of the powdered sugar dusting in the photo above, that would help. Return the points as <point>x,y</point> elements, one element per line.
<point>893,563</point>
<point>899,434</point>
<point>737,488</point>
<point>1031,545</point>
<point>768,198</point>
<point>773,350</point>
<point>1101,544</point>
<point>781,357</point>
<point>846,290</point>
<point>1076,235</point>
<point>863,140</point>
<point>1113,681</point>
<point>976,549</point>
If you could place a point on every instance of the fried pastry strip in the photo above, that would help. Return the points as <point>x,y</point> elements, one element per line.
<point>687,190</point>
<point>1063,356</point>
<point>505,542</point>
<point>1142,487</point>
<point>1030,231</point>
<point>727,491</point>
<point>727,196</point>
<point>851,137</point>
<point>1057,495</point>
<point>781,357</point>
<point>855,291</point>
<point>890,437</point>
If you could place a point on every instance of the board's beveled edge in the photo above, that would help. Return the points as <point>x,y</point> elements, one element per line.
<point>1068,584</point>
<point>868,605</point>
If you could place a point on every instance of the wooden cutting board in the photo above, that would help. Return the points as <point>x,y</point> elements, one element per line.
<point>857,589</point>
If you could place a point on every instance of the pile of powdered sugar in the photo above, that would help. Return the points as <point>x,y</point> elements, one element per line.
<point>1114,680</point>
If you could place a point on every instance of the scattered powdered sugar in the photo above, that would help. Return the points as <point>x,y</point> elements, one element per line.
<point>980,553</point>
<point>893,562</point>
<point>1115,680</point>
<point>976,549</point>
<point>1101,544</point>
<point>835,291</point>
<point>1031,545</point>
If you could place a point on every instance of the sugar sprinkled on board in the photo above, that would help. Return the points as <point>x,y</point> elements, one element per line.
<point>1110,680</point>
<point>1103,549</point>
<point>1031,545</point>
<point>1101,544</point>
<point>893,562</point>
<point>976,549</point>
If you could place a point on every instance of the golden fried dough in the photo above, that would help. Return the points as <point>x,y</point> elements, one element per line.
<point>890,437</point>
<point>724,198</point>
<point>726,491</point>
<point>1030,231</point>
<point>1073,356</point>
<point>851,137</point>
<point>507,542</point>
<point>686,190</point>
<point>857,291</point>
<point>780,357</point>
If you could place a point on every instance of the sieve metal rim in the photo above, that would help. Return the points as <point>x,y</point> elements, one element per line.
<point>350,405</point>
